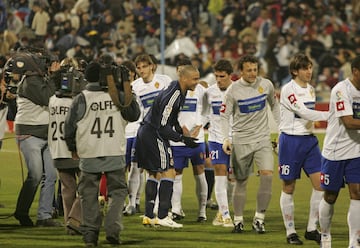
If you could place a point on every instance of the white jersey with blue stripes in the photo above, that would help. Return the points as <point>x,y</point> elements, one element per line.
<point>191,114</point>
<point>146,93</point>
<point>213,100</point>
<point>297,109</point>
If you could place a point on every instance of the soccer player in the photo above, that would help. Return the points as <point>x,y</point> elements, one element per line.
<point>341,156</point>
<point>246,102</point>
<point>153,149</point>
<point>95,134</point>
<point>191,121</point>
<point>298,146</point>
<point>219,159</point>
<point>146,88</point>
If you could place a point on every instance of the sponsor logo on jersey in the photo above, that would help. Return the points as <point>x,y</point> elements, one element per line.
<point>223,108</point>
<point>340,106</point>
<point>292,98</point>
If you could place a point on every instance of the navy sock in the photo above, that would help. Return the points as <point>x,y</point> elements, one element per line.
<point>165,194</point>
<point>150,195</point>
<point>210,179</point>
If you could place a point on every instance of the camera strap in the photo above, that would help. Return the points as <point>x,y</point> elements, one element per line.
<point>112,90</point>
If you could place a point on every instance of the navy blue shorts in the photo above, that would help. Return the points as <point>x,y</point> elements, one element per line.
<point>296,153</point>
<point>334,174</point>
<point>183,154</point>
<point>151,151</point>
<point>130,150</point>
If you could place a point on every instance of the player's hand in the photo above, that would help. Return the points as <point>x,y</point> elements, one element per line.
<point>231,176</point>
<point>189,141</point>
<point>75,156</point>
<point>227,146</point>
<point>275,146</point>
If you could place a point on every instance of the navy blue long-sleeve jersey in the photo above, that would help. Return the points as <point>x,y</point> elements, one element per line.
<point>153,150</point>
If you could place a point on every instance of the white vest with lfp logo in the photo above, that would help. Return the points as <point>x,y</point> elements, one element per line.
<point>101,131</point>
<point>58,108</point>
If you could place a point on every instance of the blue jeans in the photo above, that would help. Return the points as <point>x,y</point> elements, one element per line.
<point>40,169</point>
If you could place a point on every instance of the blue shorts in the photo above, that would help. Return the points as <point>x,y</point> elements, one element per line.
<point>152,152</point>
<point>335,173</point>
<point>130,150</point>
<point>217,155</point>
<point>296,153</point>
<point>182,155</point>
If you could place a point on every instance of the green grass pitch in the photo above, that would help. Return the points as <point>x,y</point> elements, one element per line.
<point>192,235</point>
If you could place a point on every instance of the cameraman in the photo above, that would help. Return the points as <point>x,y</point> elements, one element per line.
<point>31,124</point>
<point>69,82</point>
<point>95,134</point>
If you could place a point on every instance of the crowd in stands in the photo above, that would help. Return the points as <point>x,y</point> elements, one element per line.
<point>273,30</point>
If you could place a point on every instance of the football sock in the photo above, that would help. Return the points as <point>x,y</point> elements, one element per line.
<point>354,222</point>
<point>315,199</point>
<point>165,193</point>
<point>230,191</point>
<point>238,219</point>
<point>239,197</point>
<point>140,188</point>
<point>176,195</point>
<point>287,211</point>
<point>201,193</point>
<point>150,195</point>
<point>264,193</point>
<point>221,195</point>
<point>326,212</point>
<point>134,183</point>
<point>210,179</point>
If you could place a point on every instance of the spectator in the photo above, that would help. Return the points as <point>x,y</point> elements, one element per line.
<point>40,22</point>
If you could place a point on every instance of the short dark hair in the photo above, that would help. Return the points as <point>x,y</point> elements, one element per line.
<point>223,65</point>
<point>299,61</point>
<point>184,61</point>
<point>355,63</point>
<point>92,72</point>
<point>247,59</point>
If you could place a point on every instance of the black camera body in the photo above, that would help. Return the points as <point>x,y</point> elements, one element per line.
<point>72,82</point>
<point>119,72</point>
<point>24,63</point>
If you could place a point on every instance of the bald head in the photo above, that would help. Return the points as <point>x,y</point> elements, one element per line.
<point>186,70</point>
<point>188,77</point>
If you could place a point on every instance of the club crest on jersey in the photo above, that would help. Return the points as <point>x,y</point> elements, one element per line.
<point>223,108</point>
<point>340,106</point>
<point>156,85</point>
<point>292,98</point>
<point>338,95</point>
<point>312,93</point>
<point>191,93</point>
<point>261,90</point>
